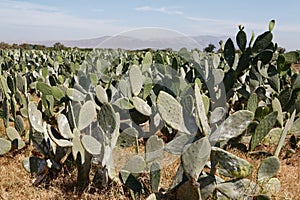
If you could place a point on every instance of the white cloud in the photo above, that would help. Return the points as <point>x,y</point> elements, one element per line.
<point>37,17</point>
<point>164,10</point>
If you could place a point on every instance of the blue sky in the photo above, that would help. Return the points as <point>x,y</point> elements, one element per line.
<point>34,20</point>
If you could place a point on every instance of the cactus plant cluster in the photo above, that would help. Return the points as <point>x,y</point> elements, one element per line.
<point>81,106</point>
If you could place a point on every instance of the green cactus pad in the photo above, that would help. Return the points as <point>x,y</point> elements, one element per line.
<point>217,114</point>
<point>263,129</point>
<point>130,181</point>
<point>170,111</point>
<point>262,41</point>
<point>15,138</point>
<point>12,133</point>
<point>232,165</point>
<point>101,94</point>
<point>200,111</point>
<point>252,103</point>
<point>232,127</point>
<point>241,40</point>
<point>91,144</point>
<point>124,103</point>
<point>64,127</point>
<point>128,137</point>
<point>229,52</point>
<point>195,157</point>
<point>147,61</point>
<point>272,137</point>
<point>107,119</point>
<point>135,165</point>
<point>277,107</point>
<point>57,93</point>
<point>59,142</point>
<point>136,79</point>
<point>154,149</point>
<point>155,176</point>
<point>19,124</point>
<point>5,146</point>
<point>75,94</point>
<point>44,88</point>
<point>141,106</point>
<point>268,168</point>
<point>87,115</point>
<point>77,146</point>
<point>35,117</point>
<point>177,145</point>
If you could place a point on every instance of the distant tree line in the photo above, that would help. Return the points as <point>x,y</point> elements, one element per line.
<point>57,46</point>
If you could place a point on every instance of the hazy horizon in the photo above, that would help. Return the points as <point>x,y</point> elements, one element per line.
<point>37,20</point>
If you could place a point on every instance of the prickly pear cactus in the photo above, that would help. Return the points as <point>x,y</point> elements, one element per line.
<point>195,157</point>
<point>171,111</point>
<point>232,165</point>
<point>263,129</point>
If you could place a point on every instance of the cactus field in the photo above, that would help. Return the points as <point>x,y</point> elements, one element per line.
<point>151,124</point>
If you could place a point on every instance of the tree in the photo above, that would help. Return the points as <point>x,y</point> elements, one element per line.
<point>58,46</point>
<point>209,48</point>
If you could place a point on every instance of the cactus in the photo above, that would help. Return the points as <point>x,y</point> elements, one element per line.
<point>57,93</point>
<point>141,106</point>
<point>64,127</point>
<point>75,95</point>
<point>271,187</point>
<point>19,124</point>
<point>268,168</point>
<point>241,38</point>
<point>147,61</point>
<point>91,145</point>
<point>177,145</point>
<point>101,94</point>
<point>194,158</point>
<point>130,181</point>
<point>277,107</point>
<point>5,112</point>
<point>154,149</point>
<point>262,41</point>
<point>287,127</point>
<point>15,138</point>
<point>232,165</point>
<point>187,103</point>
<point>200,112</point>
<point>271,25</point>
<point>5,146</point>
<point>252,103</point>
<point>123,103</point>
<point>217,115</point>
<point>87,114</point>
<point>107,119</point>
<point>135,165</point>
<point>232,127</point>
<point>136,80</point>
<point>170,111</point>
<point>272,137</point>
<point>229,52</point>
<point>128,137</point>
<point>263,129</point>
<point>155,176</point>
<point>35,117</point>
<point>77,148</point>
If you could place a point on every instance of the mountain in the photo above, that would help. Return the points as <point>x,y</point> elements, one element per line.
<point>129,42</point>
